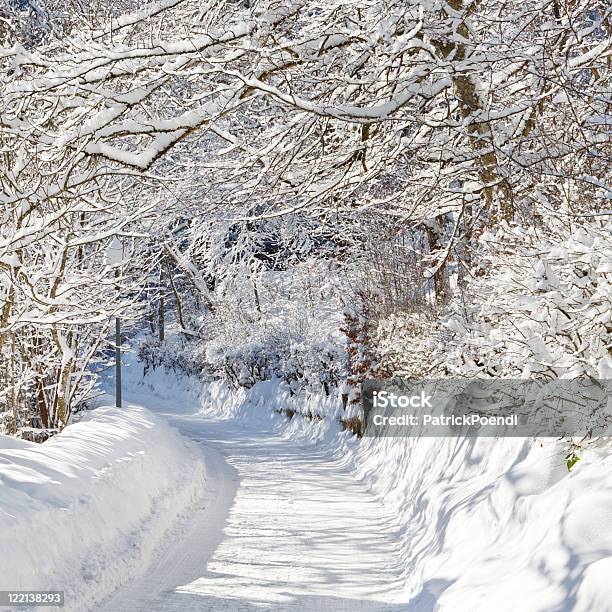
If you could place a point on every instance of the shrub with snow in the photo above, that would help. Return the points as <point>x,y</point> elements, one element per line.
<point>543,309</point>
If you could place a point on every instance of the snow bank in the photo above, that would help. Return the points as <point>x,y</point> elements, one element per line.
<point>497,524</point>
<point>486,524</point>
<point>84,511</point>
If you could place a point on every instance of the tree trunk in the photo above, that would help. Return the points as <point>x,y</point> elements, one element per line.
<point>496,191</point>
<point>441,276</point>
<point>162,305</point>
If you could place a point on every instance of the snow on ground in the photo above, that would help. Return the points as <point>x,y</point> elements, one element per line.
<point>85,511</point>
<point>301,534</point>
<point>486,524</point>
<point>295,515</point>
<point>285,526</point>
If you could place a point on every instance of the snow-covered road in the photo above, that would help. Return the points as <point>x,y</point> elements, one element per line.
<point>284,527</point>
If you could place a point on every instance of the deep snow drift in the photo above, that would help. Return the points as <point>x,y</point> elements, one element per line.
<point>487,524</point>
<point>457,525</point>
<point>85,511</point>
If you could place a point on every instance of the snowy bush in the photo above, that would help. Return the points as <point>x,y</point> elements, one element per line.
<point>293,355</point>
<point>288,329</point>
<point>176,353</point>
<point>542,312</point>
<point>243,366</point>
<point>404,344</point>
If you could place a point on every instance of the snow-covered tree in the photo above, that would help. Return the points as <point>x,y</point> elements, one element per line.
<point>448,119</point>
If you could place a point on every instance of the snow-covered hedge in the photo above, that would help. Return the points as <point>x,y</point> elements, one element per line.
<point>292,333</point>
<point>82,512</point>
<point>543,309</point>
<point>404,344</point>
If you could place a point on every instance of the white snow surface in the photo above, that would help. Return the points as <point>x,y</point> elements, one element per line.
<point>484,524</point>
<point>296,515</point>
<point>321,521</point>
<point>85,511</point>
<point>285,526</point>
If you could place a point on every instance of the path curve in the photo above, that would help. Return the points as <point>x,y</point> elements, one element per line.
<point>283,527</point>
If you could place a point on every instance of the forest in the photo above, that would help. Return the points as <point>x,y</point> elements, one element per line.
<point>316,192</point>
<point>283,199</point>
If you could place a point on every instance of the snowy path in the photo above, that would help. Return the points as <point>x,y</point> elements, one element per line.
<point>284,528</point>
